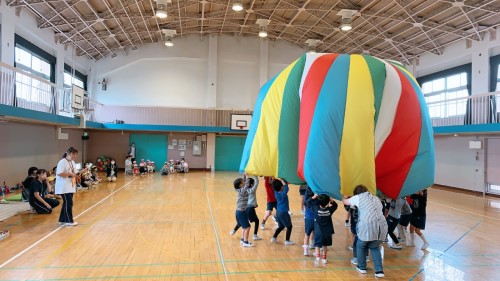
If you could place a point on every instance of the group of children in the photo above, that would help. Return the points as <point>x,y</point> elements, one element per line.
<point>318,210</point>
<point>143,168</point>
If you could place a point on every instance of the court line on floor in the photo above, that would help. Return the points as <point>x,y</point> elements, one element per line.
<point>477,214</point>
<point>312,270</point>
<point>451,246</point>
<point>215,230</point>
<point>59,228</point>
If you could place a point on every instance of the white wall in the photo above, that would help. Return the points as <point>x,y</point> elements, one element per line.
<point>457,165</point>
<point>179,76</point>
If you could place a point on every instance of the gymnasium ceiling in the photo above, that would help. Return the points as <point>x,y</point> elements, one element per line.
<point>391,29</point>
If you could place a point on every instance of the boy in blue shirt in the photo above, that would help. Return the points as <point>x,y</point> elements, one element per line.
<point>308,221</point>
<point>282,216</point>
<point>323,225</point>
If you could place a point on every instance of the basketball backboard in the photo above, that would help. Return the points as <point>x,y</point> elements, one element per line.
<point>240,122</point>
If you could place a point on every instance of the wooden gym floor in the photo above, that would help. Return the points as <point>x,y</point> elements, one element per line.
<point>177,228</point>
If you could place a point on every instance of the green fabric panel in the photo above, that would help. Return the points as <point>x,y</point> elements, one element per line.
<point>228,152</point>
<point>378,73</point>
<point>288,138</point>
<point>150,146</point>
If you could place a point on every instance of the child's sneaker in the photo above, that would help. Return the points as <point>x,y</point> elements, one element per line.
<point>362,271</point>
<point>247,244</point>
<point>255,238</point>
<point>232,232</point>
<point>395,246</point>
<point>379,274</point>
<point>71,223</point>
<point>311,245</point>
<point>316,261</point>
<point>324,261</point>
<point>354,261</point>
<point>262,226</point>
<point>287,243</point>
<point>306,250</point>
<point>273,240</point>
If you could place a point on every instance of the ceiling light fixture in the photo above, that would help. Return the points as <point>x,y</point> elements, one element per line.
<point>346,15</point>
<point>312,43</point>
<point>161,9</point>
<point>237,6</point>
<point>263,27</point>
<point>169,34</point>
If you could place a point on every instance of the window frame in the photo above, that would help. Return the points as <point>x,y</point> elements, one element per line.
<point>466,68</point>
<point>80,76</point>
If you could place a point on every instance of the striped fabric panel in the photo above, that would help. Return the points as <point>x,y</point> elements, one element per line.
<point>263,159</point>
<point>257,115</point>
<point>357,156</point>
<point>321,161</point>
<point>421,174</point>
<point>389,104</point>
<point>288,131</point>
<point>378,73</point>
<point>310,59</point>
<point>399,150</point>
<point>311,88</point>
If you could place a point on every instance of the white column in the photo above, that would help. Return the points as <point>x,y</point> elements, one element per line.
<point>7,34</point>
<point>59,65</point>
<point>210,150</point>
<point>263,61</point>
<point>211,96</point>
<point>480,69</point>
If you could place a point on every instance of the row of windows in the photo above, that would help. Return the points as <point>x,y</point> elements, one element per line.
<point>33,90</point>
<point>454,86</point>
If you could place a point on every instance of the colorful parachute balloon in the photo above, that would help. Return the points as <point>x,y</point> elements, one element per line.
<point>338,120</point>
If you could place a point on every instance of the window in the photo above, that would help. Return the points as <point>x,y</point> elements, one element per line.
<point>78,79</point>
<point>446,92</point>
<point>37,62</point>
<point>69,81</point>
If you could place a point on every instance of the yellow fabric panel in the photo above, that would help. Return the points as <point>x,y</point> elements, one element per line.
<point>357,149</point>
<point>264,153</point>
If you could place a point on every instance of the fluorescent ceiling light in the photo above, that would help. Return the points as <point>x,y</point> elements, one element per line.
<point>237,7</point>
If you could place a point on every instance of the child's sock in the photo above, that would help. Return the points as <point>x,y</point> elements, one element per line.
<point>426,244</point>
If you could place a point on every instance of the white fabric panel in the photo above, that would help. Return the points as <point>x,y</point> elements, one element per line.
<point>310,58</point>
<point>388,106</point>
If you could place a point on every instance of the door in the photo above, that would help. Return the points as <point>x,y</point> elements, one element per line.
<point>150,146</point>
<point>228,151</point>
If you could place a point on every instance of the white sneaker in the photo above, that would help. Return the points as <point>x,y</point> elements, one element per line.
<point>71,223</point>
<point>247,244</point>
<point>273,240</point>
<point>316,261</point>
<point>395,246</point>
<point>287,243</point>
<point>62,223</point>
<point>425,246</point>
<point>311,246</point>
<point>324,261</point>
<point>262,226</point>
<point>379,274</point>
<point>255,238</point>
<point>362,271</point>
<point>232,232</point>
<point>354,261</point>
